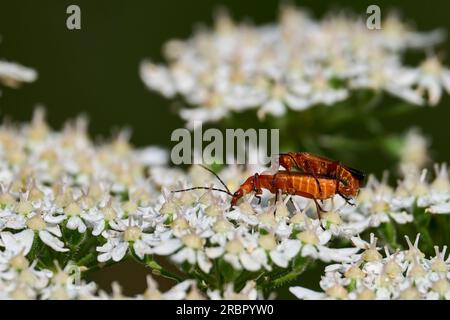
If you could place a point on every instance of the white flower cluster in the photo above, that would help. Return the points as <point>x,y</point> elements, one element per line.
<point>203,231</point>
<point>379,203</point>
<point>20,280</point>
<point>54,181</point>
<point>59,191</point>
<point>403,274</point>
<point>13,74</point>
<point>297,63</point>
<point>63,196</point>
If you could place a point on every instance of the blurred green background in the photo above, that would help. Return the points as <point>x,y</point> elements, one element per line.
<point>95,70</point>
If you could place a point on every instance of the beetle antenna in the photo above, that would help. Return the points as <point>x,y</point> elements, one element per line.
<point>217,176</point>
<point>203,188</point>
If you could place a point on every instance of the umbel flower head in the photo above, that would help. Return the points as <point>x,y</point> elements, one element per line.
<point>296,63</point>
<point>403,274</point>
<point>59,183</point>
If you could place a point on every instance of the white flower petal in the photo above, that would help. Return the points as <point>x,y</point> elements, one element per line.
<point>441,208</point>
<point>279,259</point>
<point>104,257</point>
<point>141,248</point>
<point>14,244</point>
<point>167,247</point>
<point>25,238</point>
<point>119,251</point>
<point>360,243</point>
<point>214,252</point>
<point>52,241</point>
<point>203,262</point>
<point>339,255</point>
<point>248,262</point>
<point>306,294</point>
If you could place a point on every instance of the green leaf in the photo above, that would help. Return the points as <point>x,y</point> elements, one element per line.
<point>389,232</point>
<point>227,271</point>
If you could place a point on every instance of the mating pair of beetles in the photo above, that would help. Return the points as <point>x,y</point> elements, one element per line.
<point>315,177</point>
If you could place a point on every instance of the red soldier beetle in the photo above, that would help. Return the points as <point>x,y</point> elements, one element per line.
<point>293,183</point>
<point>317,166</point>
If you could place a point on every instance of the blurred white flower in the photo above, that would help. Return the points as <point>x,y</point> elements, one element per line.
<point>19,242</point>
<point>249,292</point>
<point>402,275</point>
<point>414,153</point>
<point>13,74</point>
<point>432,77</point>
<point>296,63</point>
<point>177,292</point>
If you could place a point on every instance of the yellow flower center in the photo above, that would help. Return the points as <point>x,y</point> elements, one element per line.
<point>308,237</point>
<point>371,255</point>
<point>73,209</point>
<point>109,213</point>
<point>24,207</point>
<point>366,294</point>
<point>392,269</point>
<point>234,246</point>
<point>332,217</point>
<point>129,207</point>
<point>354,272</point>
<point>222,226</point>
<point>212,211</point>
<point>298,218</point>
<point>267,242</point>
<point>19,262</point>
<point>246,207</point>
<point>132,234</point>
<point>442,286</point>
<point>36,223</point>
<point>267,218</point>
<point>282,210</point>
<point>337,292</point>
<point>7,200</point>
<point>193,241</point>
<point>35,194</point>
<point>410,294</point>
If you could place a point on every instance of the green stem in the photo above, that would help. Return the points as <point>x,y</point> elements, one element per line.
<point>389,233</point>
<point>87,259</point>
<point>157,269</point>
<point>290,276</point>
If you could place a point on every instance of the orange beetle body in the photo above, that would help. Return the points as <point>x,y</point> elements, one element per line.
<point>317,166</point>
<point>294,183</point>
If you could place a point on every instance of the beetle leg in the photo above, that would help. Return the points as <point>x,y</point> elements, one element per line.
<point>258,193</point>
<point>318,183</point>
<point>292,202</point>
<point>319,209</point>
<point>310,171</point>
<point>274,180</point>
<point>347,199</point>
<point>276,201</point>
